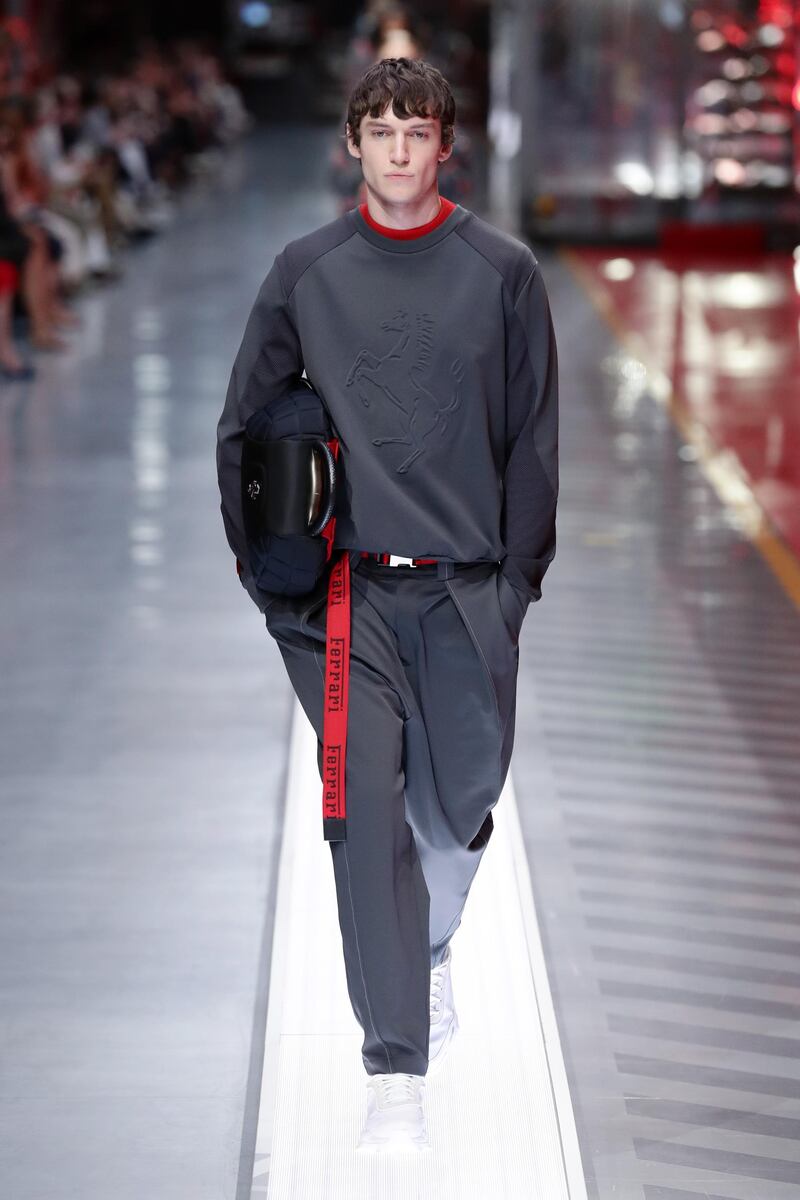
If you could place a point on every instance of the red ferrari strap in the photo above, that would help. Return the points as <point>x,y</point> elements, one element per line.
<point>337,673</point>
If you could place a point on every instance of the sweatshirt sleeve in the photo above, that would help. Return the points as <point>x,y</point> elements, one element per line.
<point>531,474</point>
<point>269,361</point>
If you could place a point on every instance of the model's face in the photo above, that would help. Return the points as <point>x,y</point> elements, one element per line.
<point>400,157</point>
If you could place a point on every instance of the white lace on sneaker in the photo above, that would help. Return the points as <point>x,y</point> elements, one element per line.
<point>437,983</point>
<point>395,1113</point>
<point>443,1018</point>
<point>397,1088</point>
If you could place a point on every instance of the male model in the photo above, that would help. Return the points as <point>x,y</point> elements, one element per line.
<point>427,333</point>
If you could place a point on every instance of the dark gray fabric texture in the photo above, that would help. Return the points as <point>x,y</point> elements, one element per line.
<point>436,359</point>
<point>432,699</point>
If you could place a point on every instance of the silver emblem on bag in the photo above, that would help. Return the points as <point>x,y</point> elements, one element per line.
<point>253,489</point>
<point>315,498</point>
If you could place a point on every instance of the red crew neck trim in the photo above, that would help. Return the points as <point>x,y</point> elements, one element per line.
<point>447,207</point>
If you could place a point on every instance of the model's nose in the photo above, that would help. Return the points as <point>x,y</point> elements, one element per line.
<point>399,153</point>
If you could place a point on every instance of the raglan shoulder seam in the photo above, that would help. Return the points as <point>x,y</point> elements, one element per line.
<point>528,279</point>
<point>527,253</point>
<point>317,257</point>
<point>347,234</point>
<point>280,275</point>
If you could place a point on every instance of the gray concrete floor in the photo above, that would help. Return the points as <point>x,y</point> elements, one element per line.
<point>144,715</point>
<point>143,718</point>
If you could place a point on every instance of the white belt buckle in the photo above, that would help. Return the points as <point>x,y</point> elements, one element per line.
<point>396,559</point>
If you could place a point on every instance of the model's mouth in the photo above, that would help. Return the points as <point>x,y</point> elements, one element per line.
<point>398,175</point>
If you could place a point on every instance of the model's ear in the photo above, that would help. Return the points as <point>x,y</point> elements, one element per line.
<point>352,148</point>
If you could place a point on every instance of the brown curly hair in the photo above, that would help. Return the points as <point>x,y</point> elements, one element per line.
<point>414,87</point>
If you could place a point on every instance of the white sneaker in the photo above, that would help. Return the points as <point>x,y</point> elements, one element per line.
<point>444,1019</point>
<point>395,1113</point>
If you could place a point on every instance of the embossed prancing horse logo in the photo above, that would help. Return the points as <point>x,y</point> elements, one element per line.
<point>397,375</point>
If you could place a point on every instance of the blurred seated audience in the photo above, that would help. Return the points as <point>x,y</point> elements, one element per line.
<point>14,249</point>
<point>87,166</point>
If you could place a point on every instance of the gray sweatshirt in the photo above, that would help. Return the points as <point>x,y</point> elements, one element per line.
<point>435,357</point>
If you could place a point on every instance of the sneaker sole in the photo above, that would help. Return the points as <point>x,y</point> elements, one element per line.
<point>394,1143</point>
<point>410,1137</point>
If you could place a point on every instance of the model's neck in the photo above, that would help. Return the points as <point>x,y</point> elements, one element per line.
<point>404,216</point>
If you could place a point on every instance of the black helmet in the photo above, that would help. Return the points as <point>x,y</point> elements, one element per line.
<point>289,470</point>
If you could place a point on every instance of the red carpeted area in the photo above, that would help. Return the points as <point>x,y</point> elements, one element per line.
<point>725,331</point>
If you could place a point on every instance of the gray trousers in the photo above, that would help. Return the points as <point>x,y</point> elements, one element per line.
<point>432,698</point>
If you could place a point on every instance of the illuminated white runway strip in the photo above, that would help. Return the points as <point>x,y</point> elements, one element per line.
<point>499,1113</point>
